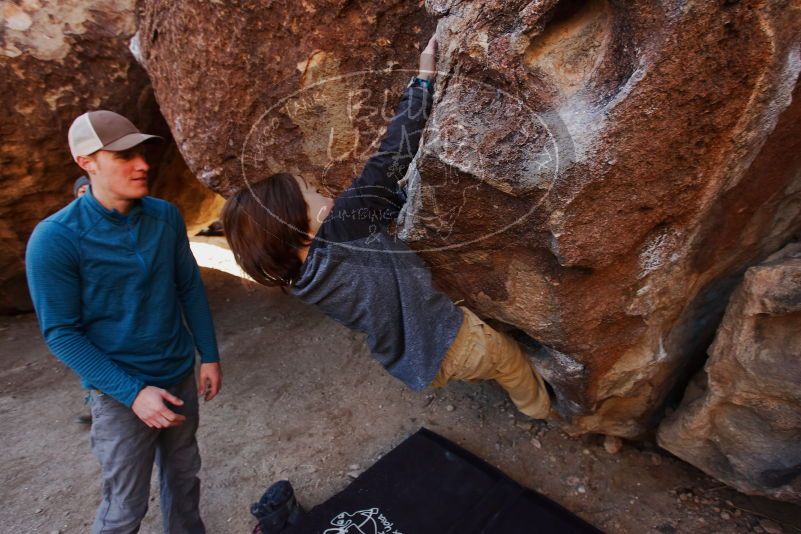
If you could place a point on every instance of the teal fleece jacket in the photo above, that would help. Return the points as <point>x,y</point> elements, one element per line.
<point>114,295</point>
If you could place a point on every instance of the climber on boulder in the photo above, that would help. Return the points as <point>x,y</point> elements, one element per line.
<point>338,256</point>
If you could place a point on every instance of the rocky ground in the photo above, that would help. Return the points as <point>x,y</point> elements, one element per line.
<point>302,400</point>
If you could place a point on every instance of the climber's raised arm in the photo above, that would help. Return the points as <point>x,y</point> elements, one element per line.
<point>377,186</point>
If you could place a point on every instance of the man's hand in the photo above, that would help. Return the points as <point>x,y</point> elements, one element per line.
<point>428,60</point>
<point>150,408</point>
<point>210,380</point>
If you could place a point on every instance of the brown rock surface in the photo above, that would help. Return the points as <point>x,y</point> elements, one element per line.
<point>263,87</point>
<point>640,158</point>
<point>596,175</point>
<point>57,60</point>
<point>740,419</point>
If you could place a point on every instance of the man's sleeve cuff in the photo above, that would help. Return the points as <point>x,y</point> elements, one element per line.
<point>211,358</point>
<point>131,397</point>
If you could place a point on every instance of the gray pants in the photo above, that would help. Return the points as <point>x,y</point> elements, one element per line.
<point>126,448</point>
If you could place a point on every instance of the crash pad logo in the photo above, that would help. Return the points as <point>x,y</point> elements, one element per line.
<point>369,521</point>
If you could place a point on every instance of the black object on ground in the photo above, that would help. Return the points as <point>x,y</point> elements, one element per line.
<point>83,419</point>
<point>276,509</point>
<point>214,229</point>
<point>428,485</point>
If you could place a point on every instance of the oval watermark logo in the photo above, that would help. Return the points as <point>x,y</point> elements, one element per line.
<point>478,139</point>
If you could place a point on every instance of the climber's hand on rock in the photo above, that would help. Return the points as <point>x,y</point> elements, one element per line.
<point>428,60</point>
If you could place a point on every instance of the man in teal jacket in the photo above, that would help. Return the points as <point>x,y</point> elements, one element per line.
<point>115,287</point>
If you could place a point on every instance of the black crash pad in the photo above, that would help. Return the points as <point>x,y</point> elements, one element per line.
<point>429,485</point>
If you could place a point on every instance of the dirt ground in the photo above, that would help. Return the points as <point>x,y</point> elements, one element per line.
<point>303,400</point>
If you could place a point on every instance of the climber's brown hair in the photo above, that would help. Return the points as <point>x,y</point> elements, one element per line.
<point>265,225</point>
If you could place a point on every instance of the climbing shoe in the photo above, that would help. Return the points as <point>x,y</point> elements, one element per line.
<point>276,509</point>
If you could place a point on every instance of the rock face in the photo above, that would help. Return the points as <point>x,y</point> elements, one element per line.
<point>595,177</point>
<point>740,420</point>
<point>255,87</point>
<point>598,175</point>
<point>57,60</point>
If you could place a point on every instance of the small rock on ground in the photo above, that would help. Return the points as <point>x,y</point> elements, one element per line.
<point>613,444</point>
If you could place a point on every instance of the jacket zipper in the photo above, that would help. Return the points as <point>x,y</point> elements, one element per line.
<point>133,243</point>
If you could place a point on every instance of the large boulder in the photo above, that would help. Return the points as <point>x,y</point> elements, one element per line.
<point>599,174</point>
<point>740,420</point>
<point>595,177</point>
<point>255,87</point>
<point>57,60</point>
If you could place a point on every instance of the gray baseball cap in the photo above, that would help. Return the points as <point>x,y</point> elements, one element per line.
<point>105,130</point>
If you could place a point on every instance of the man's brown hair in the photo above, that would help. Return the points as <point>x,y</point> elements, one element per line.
<point>265,225</point>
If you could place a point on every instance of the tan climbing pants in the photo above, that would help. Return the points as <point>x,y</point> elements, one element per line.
<point>480,352</point>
